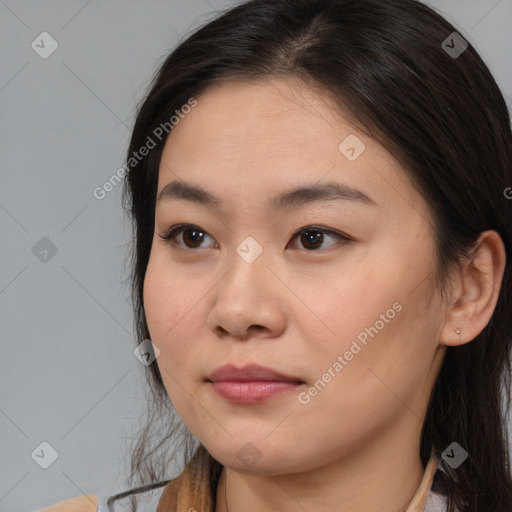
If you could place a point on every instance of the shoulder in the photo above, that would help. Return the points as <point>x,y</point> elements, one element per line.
<point>156,497</point>
<point>87,503</point>
<point>139,499</point>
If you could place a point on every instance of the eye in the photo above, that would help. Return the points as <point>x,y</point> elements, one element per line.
<point>190,234</point>
<point>312,237</point>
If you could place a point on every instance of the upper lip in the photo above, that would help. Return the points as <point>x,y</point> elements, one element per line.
<point>251,372</point>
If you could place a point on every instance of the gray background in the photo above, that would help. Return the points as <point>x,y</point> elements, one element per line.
<point>68,374</point>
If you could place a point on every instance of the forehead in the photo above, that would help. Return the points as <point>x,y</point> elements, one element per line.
<point>265,115</point>
<point>264,136</point>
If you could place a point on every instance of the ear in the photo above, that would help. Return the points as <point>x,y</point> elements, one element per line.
<point>475,291</point>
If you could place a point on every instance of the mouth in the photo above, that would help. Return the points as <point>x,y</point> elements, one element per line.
<point>251,384</point>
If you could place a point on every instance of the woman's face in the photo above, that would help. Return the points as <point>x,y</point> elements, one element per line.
<point>356,320</point>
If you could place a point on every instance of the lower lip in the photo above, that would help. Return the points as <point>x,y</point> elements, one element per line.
<point>252,392</point>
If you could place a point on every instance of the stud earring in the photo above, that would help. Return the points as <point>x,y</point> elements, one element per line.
<point>457,330</point>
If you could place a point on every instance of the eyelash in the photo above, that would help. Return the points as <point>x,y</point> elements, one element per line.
<point>176,229</point>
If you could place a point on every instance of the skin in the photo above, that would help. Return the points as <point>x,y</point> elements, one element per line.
<point>355,445</point>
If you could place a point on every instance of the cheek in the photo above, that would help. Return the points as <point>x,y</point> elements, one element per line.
<point>387,348</point>
<point>384,327</point>
<point>174,315</point>
<point>168,296</point>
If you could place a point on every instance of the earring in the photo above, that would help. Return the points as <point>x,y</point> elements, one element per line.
<point>457,330</point>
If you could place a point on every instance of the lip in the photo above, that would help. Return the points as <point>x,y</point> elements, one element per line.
<point>251,384</point>
<point>251,372</point>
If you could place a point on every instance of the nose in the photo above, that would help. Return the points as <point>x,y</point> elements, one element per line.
<point>249,301</point>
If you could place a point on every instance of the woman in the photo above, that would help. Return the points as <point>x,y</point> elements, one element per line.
<point>318,190</point>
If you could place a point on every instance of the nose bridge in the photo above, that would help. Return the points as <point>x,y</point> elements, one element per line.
<point>248,266</point>
<point>250,250</point>
<point>246,296</point>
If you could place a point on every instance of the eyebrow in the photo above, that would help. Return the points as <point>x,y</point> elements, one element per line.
<point>328,191</point>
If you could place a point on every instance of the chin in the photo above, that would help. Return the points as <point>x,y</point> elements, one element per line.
<point>252,457</point>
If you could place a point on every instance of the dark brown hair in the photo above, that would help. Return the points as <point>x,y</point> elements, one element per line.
<point>444,119</point>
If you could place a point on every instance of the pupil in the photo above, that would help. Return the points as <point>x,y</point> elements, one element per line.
<point>194,235</point>
<point>313,237</point>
